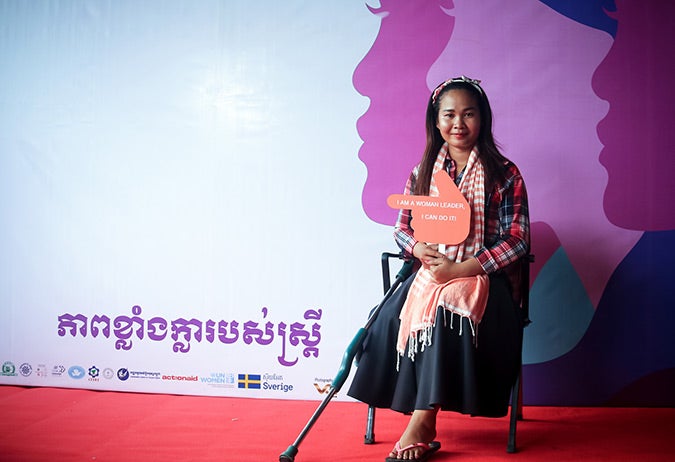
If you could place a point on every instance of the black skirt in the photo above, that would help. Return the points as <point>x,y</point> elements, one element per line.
<point>456,372</point>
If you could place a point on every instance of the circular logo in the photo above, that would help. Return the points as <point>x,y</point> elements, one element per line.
<point>76,372</point>
<point>122,374</point>
<point>26,369</point>
<point>8,368</point>
<point>93,372</point>
<point>108,373</point>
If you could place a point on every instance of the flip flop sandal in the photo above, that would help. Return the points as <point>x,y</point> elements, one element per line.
<point>429,450</point>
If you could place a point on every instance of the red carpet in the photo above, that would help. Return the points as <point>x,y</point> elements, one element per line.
<point>47,424</point>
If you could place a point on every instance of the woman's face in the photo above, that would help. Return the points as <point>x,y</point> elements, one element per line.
<point>458,121</point>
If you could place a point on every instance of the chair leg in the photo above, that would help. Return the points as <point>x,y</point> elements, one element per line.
<point>520,399</point>
<point>370,426</point>
<point>516,408</point>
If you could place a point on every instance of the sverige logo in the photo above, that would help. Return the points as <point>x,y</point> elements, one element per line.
<point>76,372</point>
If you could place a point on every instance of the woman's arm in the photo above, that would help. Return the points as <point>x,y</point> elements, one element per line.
<point>507,236</point>
<point>403,233</point>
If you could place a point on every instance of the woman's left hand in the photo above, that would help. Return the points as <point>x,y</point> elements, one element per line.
<point>444,270</point>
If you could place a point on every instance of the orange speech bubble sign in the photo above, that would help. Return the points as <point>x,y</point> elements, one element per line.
<point>442,219</point>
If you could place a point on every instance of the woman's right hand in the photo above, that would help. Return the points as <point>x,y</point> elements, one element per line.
<point>427,254</point>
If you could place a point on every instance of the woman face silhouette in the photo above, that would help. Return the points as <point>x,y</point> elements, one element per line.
<point>393,75</point>
<point>637,131</point>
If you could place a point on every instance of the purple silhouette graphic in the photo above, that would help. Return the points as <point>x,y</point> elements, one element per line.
<point>637,133</point>
<point>627,356</point>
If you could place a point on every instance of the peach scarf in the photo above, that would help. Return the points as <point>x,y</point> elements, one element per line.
<point>466,297</point>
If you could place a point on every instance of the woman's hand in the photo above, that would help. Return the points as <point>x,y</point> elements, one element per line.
<point>427,254</point>
<point>442,269</point>
<point>434,261</point>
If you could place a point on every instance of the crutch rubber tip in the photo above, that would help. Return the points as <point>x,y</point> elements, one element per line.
<point>289,454</point>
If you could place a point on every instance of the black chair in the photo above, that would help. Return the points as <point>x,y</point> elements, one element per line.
<point>516,412</point>
<point>517,390</point>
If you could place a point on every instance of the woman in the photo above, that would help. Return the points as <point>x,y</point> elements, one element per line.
<point>450,337</point>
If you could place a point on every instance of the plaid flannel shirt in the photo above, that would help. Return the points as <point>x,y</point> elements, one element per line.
<point>507,223</point>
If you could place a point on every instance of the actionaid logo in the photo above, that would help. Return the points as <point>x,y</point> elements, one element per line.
<point>181,378</point>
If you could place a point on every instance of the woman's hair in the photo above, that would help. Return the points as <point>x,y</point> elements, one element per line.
<point>488,152</point>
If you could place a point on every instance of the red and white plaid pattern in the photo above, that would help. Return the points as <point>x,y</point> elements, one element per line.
<point>466,297</point>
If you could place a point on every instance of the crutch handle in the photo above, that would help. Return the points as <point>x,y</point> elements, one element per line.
<point>348,358</point>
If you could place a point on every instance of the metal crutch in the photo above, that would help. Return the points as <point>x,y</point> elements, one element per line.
<point>345,366</point>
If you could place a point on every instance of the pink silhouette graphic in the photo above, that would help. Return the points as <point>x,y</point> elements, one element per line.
<point>393,76</point>
<point>637,133</point>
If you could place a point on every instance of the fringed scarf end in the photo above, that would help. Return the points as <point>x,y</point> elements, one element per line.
<point>421,338</point>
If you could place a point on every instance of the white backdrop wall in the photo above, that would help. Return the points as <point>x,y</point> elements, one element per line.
<point>184,163</point>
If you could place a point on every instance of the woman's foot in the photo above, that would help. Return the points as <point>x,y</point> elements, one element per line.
<point>421,429</point>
